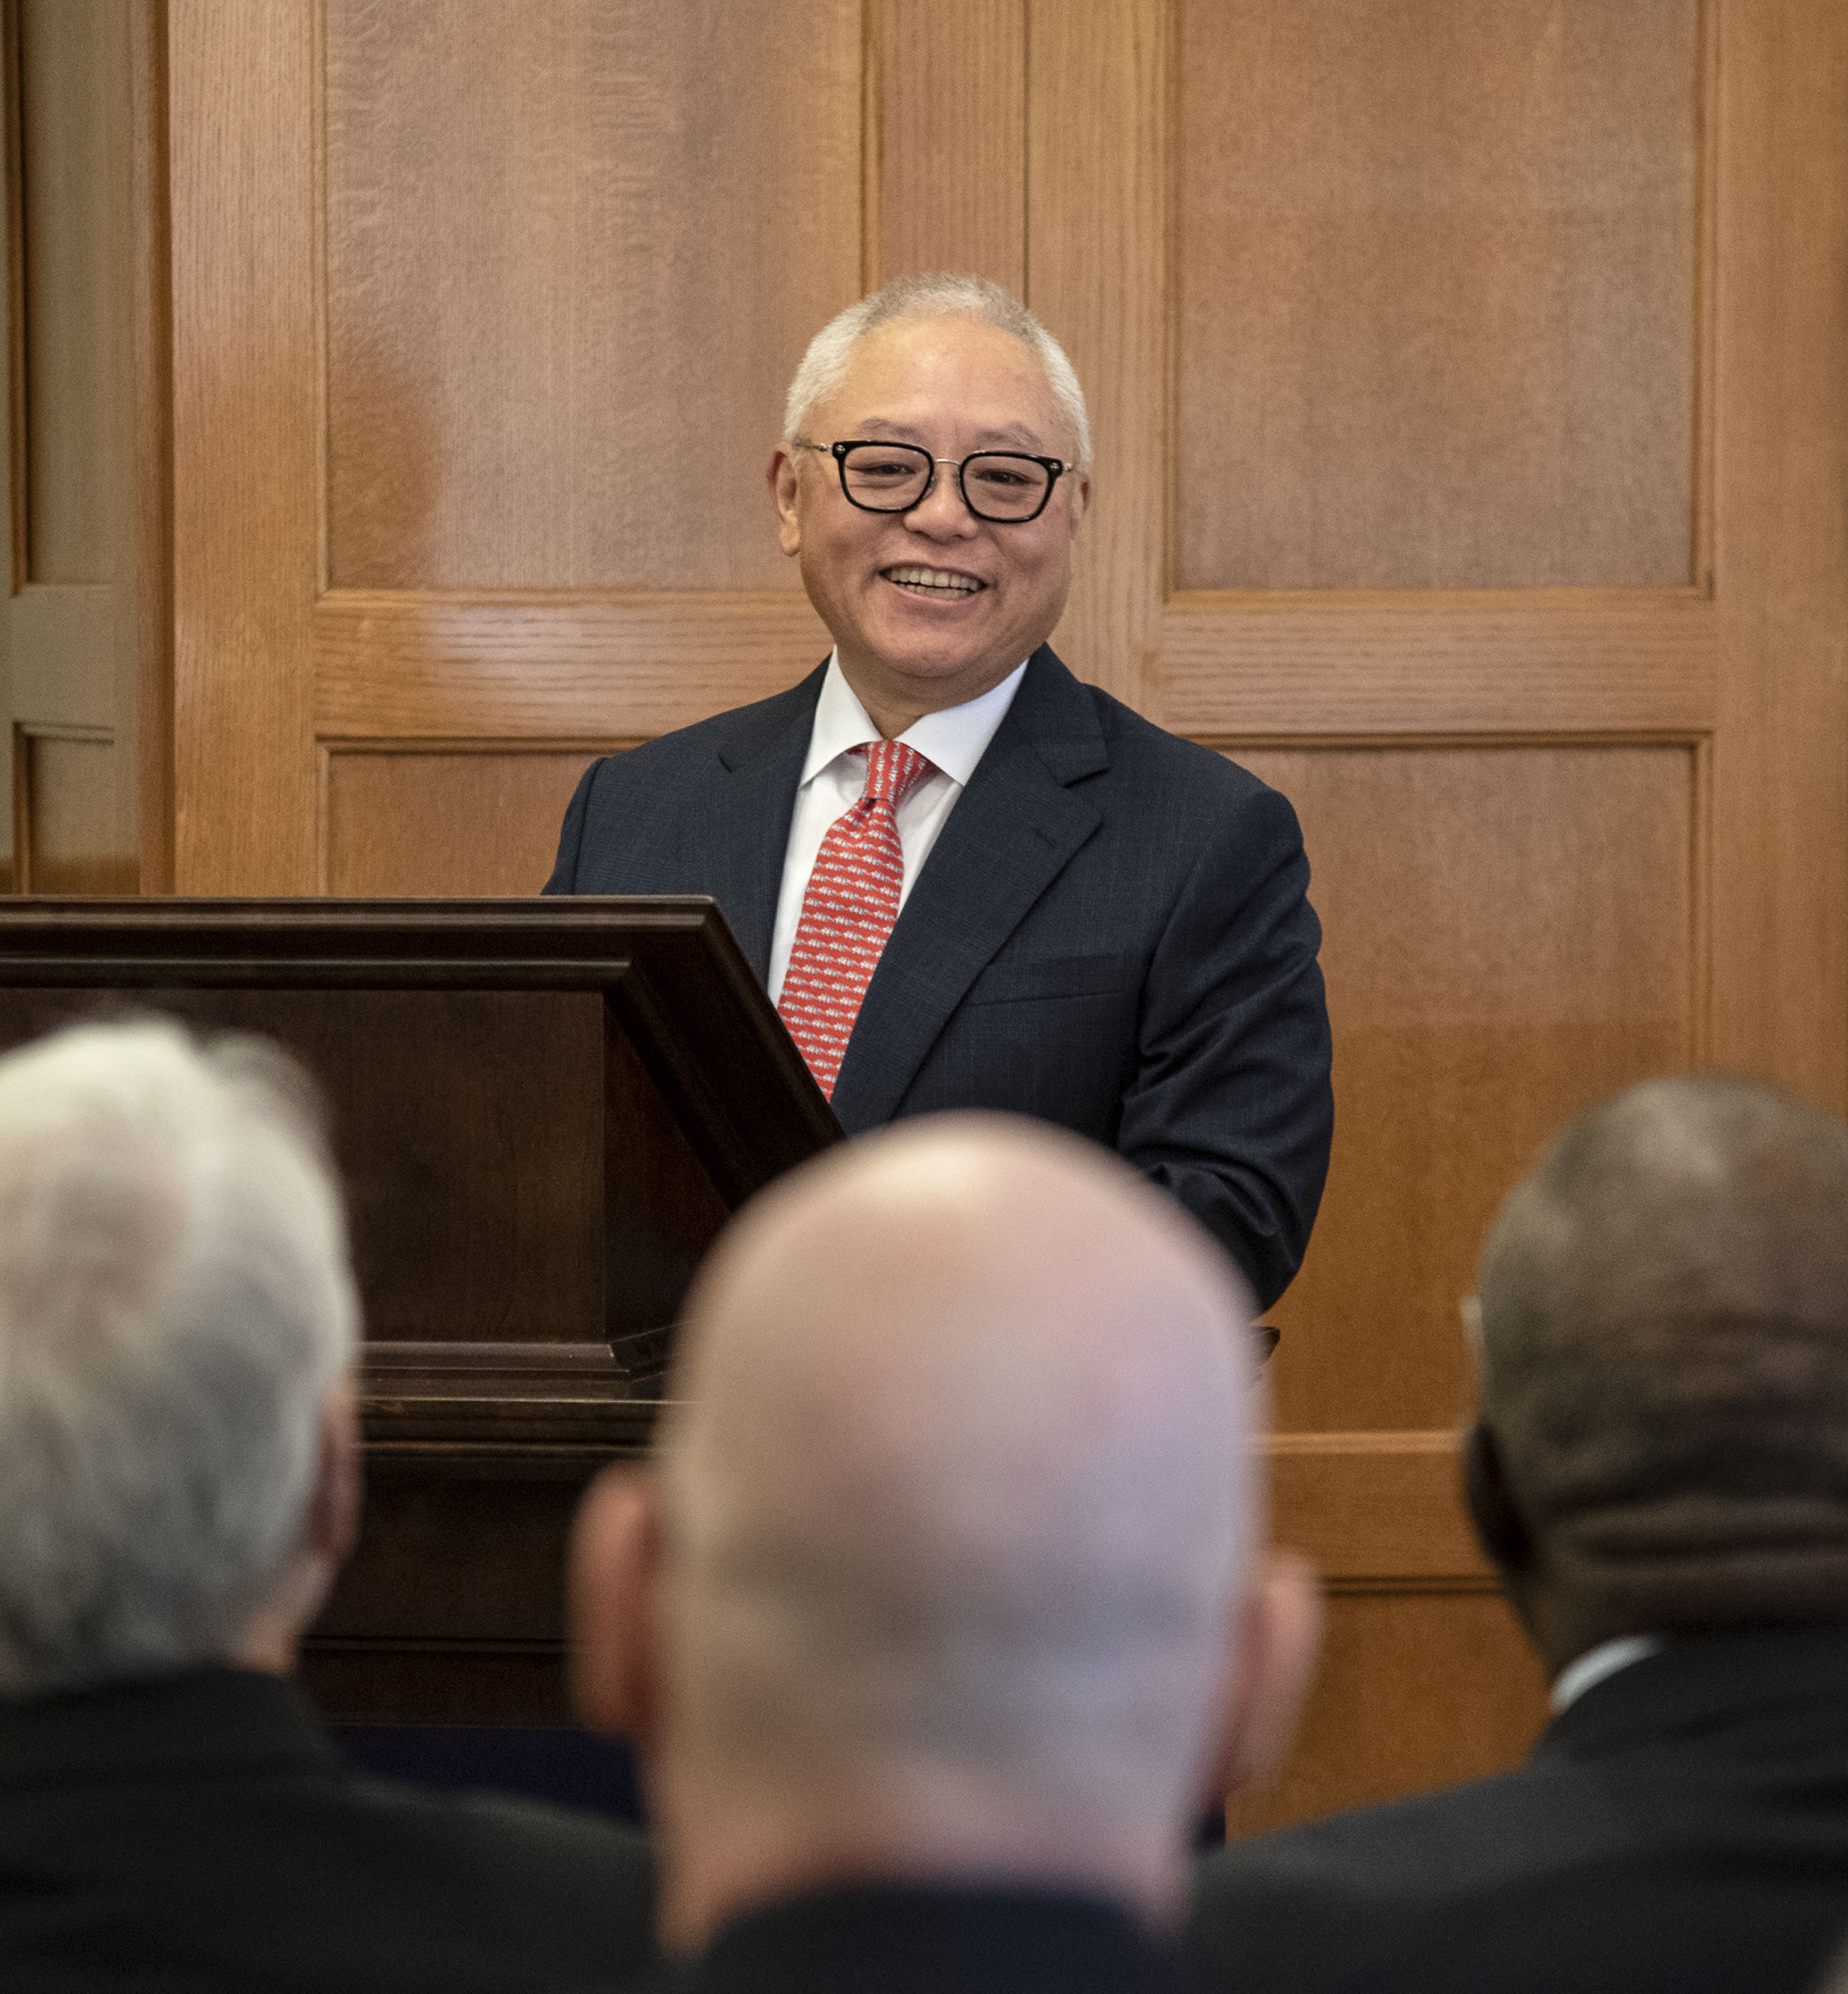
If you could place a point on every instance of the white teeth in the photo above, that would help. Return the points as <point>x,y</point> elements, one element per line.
<point>933,578</point>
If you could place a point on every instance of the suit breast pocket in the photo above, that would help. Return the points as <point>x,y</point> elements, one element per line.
<point>1037,979</point>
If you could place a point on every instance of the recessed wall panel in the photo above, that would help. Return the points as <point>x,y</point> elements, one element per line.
<point>1507,937</point>
<point>1436,275</point>
<point>407,821</point>
<point>573,253</point>
<point>1387,1689</point>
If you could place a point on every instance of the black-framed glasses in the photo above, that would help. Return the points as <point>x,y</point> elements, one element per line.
<point>1006,487</point>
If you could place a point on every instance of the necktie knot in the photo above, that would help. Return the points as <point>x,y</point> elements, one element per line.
<point>892,771</point>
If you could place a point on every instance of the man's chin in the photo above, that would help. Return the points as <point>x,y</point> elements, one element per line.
<point>931,676</point>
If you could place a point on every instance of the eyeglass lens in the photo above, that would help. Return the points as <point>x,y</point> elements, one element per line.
<point>892,477</point>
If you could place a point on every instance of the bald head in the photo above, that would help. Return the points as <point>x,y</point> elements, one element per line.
<point>956,1502</point>
<point>1665,1362</point>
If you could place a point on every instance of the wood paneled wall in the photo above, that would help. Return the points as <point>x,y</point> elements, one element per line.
<point>84,660</point>
<point>1471,394</point>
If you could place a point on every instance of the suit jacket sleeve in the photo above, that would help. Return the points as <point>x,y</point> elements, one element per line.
<point>1230,1105</point>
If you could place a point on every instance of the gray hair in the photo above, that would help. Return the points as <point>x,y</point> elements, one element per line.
<point>933,295</point>
<point>175,1304</point>
<point>1664,1331</point>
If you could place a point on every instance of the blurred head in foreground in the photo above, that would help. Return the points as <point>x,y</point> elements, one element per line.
<point>178,1456</point>
<point>949,1567</point>
<point>1662,1443</point>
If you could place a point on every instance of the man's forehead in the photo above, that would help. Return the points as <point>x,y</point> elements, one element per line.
<point>1003,436</point>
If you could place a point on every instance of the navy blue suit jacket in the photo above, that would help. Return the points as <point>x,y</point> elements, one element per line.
<point>1112,933</point>
<point>1682,1829</point>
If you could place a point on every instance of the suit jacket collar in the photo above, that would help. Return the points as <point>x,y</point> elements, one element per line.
<point>203,1719</point>
<point>875,1938</point>
<point>1699,1684</point>
<point>762,747</point>
<point>1013,831</point>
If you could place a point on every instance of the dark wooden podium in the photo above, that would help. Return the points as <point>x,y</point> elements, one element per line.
<point>544,1110</point>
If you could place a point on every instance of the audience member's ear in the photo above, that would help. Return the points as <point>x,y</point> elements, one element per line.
<point>1499,1525</point>
<point>332,1525</point>
<point>1270,1664</point>
<point>329,1524</point>
<point>614,1572</point>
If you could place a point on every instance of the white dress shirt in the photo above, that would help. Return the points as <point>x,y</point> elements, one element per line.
<point>834,779</point>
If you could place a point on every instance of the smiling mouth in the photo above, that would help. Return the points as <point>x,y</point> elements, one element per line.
<point>939,584</point>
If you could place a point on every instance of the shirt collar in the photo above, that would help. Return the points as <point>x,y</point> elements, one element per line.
<point>954,740</point>
<point>1596,1664</point>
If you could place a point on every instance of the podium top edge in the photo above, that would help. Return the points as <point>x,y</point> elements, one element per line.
<point>565,909</point>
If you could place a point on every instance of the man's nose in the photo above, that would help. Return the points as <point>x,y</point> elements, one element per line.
<point>941,513</point>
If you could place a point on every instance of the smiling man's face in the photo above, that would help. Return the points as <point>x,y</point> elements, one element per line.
<point>932,608</point>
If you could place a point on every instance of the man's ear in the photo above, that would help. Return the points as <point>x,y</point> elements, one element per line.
<point>1270,1664</point>
<point>613,1584</point>
<point>782,489</point>
<point>331,1527</point>
<point>272,1638</point>
<point>1081,501</point>
<point>1500,1528</point>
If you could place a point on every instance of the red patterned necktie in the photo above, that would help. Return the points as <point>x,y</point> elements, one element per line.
<point>847,911</point>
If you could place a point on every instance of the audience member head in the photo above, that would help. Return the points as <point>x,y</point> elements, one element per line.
<point>178,1459</point>
<point>1662,1444</point>
<point>945,1569</point>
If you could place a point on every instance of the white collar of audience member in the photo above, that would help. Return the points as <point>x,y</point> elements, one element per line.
<point>1596,1664</point>
<point>954,740</point>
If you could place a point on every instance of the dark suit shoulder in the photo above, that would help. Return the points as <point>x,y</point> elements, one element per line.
<point>1688,1875</point>
<point>520,1846</point>
<point>1134,742</point>
<point>312,1876</point>
<point>738,730</point>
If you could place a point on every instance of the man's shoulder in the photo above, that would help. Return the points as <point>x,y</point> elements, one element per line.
<point>1144,755</point>
<point>1397,1853</point>
<point>561,1846</point>
<point>1638,1871</point>
<point>330,1877</point>
<point>516,1868</point>
<point>739,730</point>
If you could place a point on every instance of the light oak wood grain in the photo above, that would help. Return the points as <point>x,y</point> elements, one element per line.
<point>1506,662</point>
<point>1508,937</point>
<point>1781,547</point>
<point>948,82</point>
<point>1437,271</point>
<point>152,313</point>
<point>485,821</point>
<point>246,434</point>
<point>1097,275</point>
<point>574,252</point>
<point>396,663</point>
<point>1374,1508</point>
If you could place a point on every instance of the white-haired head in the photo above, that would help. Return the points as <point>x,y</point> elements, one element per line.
<point>175,1304</point>
<point>933,295</point>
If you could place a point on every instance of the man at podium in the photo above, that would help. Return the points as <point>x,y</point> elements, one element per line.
<point>966,879</point>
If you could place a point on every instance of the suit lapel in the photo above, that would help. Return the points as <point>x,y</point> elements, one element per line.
<point>1012,832</point>
<point>745,825</point>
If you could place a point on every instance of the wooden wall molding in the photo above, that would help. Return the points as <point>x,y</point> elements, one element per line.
<point>391,663</point>
<point>1376,1510</point>
<point>248,423</point>
<point>1297,662</point>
